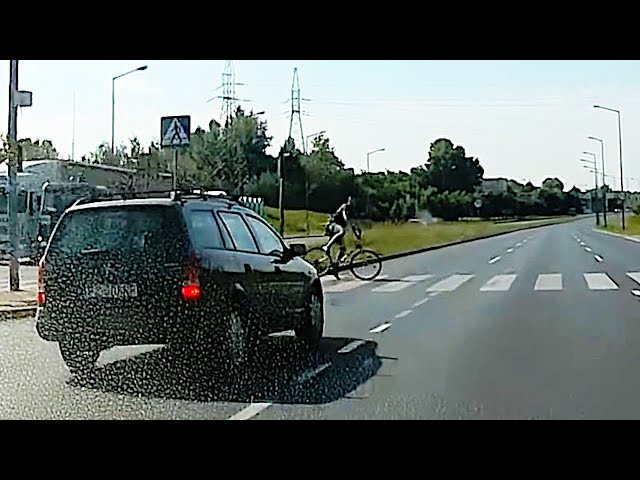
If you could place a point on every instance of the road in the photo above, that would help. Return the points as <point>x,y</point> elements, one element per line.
<point>537,324</point>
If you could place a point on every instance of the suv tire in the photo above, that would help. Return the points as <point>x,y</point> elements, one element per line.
<point>313,322</point>
<point>79,359</point>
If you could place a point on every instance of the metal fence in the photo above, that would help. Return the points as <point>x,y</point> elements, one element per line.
<point>254,203</point>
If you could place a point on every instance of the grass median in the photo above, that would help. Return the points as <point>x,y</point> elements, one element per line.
<point>614,224</point>
<point>389,238</point>
<point>295,221</point>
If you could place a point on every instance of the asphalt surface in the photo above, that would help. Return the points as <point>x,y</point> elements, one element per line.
<point>537,324</point>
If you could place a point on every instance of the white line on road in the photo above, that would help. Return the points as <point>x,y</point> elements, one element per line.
<point>518,244</point>
<point>420,302</point>
<point>416,278</point>
<point>433,294</point>
<point>449,284</point>
<point>587,249</point>
<point>636,293</point>
<point>600,281</point>
<point>312,373</point>
<point>582,244</point>
<point>396,286</point>
<point>549,281</point>
<point>635,276</point>
<point>380,328</point>
<point>403,314</point>
<point>348,285</point>
<point>510,250</point>
<point>598,258</point>
<point>494,259</point>
<point>351,346</point>
<point>251,411</point>
<point>499,283</point>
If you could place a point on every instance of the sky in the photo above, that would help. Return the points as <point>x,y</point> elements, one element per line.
<point>526,120</point>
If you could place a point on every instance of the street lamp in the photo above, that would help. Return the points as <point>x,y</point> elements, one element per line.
<point>113,102</point>
<point>620,146</point>
<point>604,183</point>
<point>593,167</point>
<point>371,153</point>
<point>314,135</point>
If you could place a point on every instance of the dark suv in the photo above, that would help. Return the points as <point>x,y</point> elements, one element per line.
<point>190,270</point>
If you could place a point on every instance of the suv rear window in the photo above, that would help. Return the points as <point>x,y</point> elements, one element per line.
<point>204,229</point>
<point>152,230</point>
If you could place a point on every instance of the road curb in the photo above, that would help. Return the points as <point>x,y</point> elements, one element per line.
<point>16,313</point>
<point>619,235</point>
<point>395,256</point>
<point>301,237</point>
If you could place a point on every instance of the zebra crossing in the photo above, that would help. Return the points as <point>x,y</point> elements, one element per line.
<point>435,284</point>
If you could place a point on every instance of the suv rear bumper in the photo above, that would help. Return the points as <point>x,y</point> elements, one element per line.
<point>56,326</point>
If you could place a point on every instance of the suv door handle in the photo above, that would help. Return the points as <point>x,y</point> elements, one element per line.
<point>247,268</point>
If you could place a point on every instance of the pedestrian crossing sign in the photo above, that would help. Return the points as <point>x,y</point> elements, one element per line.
<point>175,131</point>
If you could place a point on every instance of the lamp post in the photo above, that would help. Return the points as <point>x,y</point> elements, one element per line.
<point>604,183</point>
<point>371,153</point>
<point>594,165</point>
<point>620,146</point>
<point>113,103</point>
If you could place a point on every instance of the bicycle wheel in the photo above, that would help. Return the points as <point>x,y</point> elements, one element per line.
<point>365,265</point>
<point>319,260</point>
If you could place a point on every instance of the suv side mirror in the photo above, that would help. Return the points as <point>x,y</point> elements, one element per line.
<point>297,250</point>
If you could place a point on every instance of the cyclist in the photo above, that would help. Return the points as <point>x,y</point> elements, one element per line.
<point>337,229</point>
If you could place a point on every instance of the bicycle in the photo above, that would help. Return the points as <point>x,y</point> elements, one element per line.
<point>357,260</point>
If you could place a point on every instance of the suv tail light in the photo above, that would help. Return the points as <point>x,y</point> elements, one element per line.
<point>191,291</point>
<point>41,293</point>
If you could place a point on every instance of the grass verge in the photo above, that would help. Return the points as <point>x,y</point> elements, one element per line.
<point>389,239</point>
<point>632,224</point>
<point>295,221</point>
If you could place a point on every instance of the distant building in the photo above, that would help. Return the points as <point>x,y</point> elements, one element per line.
<point>494,185</point>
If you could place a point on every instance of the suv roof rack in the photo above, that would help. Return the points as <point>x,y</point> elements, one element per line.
<point>177,195</point>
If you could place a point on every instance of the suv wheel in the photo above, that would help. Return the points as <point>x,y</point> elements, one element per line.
<point>313,323</point>
<point>79,359</point>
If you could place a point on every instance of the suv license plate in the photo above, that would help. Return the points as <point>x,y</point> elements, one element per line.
<point>112,291</point>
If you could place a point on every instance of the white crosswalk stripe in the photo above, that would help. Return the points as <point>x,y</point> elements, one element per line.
<point>449,284</point>
<point>396,286</point>
<point>635,276</point>
<point>600,281</point>
<point>548,281</point>
<point>499,283</point>
<point>345,286</point>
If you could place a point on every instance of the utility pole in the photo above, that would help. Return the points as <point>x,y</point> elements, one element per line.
<point>295,112</point>
<point>228,97</point>
<point>281,193</point>
<point>73,130</point>
<point>12,164</point>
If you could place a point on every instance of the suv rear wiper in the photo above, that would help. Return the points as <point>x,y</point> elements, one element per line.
<point>92,250</point>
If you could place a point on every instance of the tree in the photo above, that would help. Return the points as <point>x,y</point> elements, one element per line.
<point>326,180</point>
<point>103,156</point>
<point>37,150</point>
<point>551,196</point>
<point>450,206</point>
<point>449,169</point>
